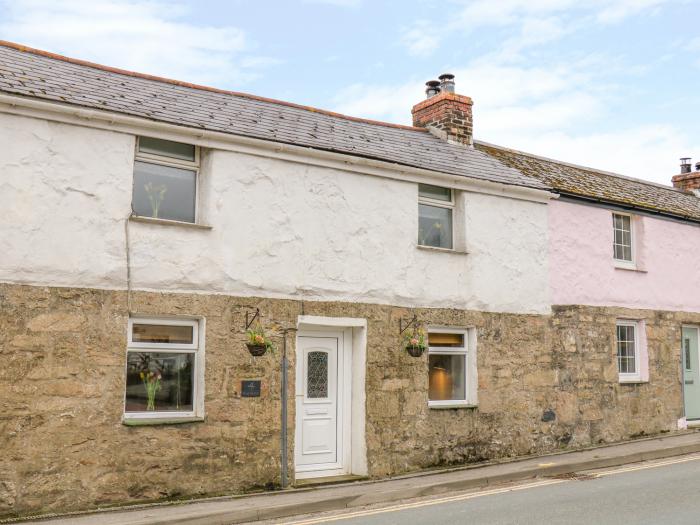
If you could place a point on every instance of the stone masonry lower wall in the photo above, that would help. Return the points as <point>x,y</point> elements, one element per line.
<point>62,385</point>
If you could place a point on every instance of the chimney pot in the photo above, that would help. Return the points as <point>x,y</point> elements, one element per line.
<point>447,82</point>
<point>688,180</point>
<point>444,113</point>
<point>685,165</point>
<point>432,89</point>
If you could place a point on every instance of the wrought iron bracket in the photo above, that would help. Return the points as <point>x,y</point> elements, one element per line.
<point>252,320</point>
<point>411,323</point>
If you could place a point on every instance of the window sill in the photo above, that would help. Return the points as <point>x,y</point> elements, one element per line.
<point>168,222</point>
<point>440,405</point>
<point>630,267</point>
<point>153,421</point>
<point>632,381</point>
<point>443,250</point>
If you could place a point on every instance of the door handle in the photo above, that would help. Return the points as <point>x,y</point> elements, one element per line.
<point>689,381</point>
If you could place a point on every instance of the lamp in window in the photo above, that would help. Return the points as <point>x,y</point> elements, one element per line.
<point>440,382</point>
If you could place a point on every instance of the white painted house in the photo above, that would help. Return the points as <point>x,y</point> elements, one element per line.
<point>149,223</point>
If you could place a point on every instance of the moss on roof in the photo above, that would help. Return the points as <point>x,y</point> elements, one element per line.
<point>590,183</point>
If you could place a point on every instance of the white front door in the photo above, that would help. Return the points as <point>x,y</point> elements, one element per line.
<point>320,405</point>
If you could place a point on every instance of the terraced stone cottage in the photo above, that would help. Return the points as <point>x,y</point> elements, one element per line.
<point>414,297</point>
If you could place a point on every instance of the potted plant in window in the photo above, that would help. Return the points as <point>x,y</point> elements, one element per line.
<point>156,194</point>
<point>151,380</point>
<point>415,343</point>
<point>258,343</point>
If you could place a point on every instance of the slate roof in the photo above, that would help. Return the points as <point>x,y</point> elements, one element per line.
<point>592,184</point>
<point>38,74</point>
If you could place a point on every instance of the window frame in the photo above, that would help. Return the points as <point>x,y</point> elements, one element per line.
<point>624,263</point>
<point>196,349</point>
<point>470,369</point>
<point>636,376</point>
<point>437,203</point>
<point>172,162</point>
<point>177,347</point>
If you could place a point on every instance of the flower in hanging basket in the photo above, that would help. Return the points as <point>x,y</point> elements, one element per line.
<point>257,343</point>
<point>415,343</point>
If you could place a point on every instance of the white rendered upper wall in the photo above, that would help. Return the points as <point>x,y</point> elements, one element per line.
<point>279,229</point>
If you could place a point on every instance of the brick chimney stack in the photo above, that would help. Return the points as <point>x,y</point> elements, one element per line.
<point>688,180</point>
<point>445,113</point>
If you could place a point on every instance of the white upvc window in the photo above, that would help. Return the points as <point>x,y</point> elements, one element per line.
<point>435,216</point>
<point>164,368</point>
<point>631,351</point>
<point>452,374</point>
<point>165,180</point>
<point>623,239</point>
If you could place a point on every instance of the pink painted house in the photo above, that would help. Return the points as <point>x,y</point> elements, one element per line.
<point>629,245</point>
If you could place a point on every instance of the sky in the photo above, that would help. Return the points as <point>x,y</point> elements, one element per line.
<point>611,84</point>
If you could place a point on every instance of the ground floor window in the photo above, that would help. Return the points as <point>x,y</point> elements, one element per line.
<point>163,368</point>
<point>451,367</point>
<point>631,352</point>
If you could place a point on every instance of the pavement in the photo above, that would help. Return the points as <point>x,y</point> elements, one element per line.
<point>292,502</point>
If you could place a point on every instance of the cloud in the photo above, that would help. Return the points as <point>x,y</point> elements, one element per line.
<point>530,23</point>
<point>495,88</point>
<point>551,111</point>
<point>532,32</point>
<point>621,9</point>
<point>521,101</point>
<point>337,3</point>
<point>384,102</point>
<point>649,152</point>
<point>153,37</point>
<point>421,39</point>
<point>483,13</point>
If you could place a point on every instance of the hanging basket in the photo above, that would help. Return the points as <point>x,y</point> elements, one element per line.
<point>256,350</point>
<point>415,351</point>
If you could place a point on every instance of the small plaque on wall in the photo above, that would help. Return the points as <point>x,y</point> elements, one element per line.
<point>250,388</point>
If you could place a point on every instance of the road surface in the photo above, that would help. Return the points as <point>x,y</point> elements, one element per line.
<point>664,492</point>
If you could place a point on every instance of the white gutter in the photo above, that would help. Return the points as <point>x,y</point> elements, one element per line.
<point>106,120</point>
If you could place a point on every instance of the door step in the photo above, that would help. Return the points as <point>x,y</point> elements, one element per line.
<point>328,480</point>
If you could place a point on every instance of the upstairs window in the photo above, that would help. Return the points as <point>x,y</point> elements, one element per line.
<point>622,242</point>
<point>435,211</point>
<point>165,180</point>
